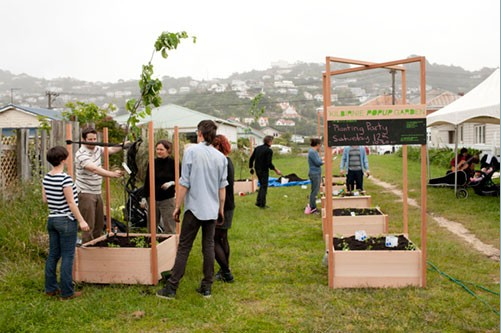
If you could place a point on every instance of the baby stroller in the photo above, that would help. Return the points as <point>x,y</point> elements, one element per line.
<point>482,182</point>
<point>133,212</point>
<point>485,186</point>
<point>449,180</point>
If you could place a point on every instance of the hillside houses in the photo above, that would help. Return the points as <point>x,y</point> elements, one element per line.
<point>292,93</point>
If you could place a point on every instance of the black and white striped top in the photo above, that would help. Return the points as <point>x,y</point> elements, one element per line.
<point>88,181</point>
<point>53,186</point>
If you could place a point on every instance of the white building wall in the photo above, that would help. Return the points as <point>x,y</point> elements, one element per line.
<point>18,119</point>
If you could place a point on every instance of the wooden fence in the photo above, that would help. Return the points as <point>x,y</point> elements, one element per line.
<point>22,152</point>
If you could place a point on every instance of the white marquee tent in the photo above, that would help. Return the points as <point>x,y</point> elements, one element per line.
<point>480,105</point>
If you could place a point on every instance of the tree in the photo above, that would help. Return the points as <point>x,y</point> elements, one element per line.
<point>86,113</point>
<point>89,114</point>
<point>148,86</point>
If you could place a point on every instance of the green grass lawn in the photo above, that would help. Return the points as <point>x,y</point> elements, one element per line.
<point>281,284</point>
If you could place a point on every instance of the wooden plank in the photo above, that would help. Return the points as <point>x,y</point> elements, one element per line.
<point>376,269</point>
<point>361,201</point>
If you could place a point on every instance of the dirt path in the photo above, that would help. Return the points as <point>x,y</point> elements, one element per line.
<point>454,227</point>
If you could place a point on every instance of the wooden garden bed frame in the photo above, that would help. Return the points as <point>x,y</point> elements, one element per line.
<point>128,265</point>
<point>247,186</point>
<point>347,225</point>
<point>352,269</point>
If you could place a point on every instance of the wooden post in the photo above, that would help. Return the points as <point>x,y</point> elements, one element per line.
<point>423,181</point>
<point>328,173</point>
<point>251,149</point>
<point>318,124</point>
<point>153,208</point>
<point>405,190</point>
<point>176,167</point>
<point>69,147</point>
<point>107,181</point>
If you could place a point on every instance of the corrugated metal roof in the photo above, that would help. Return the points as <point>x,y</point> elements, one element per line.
<point>171,115</point>
<point>51,114</point>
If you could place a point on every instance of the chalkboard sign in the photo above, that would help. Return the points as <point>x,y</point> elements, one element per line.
<point>372,132</point>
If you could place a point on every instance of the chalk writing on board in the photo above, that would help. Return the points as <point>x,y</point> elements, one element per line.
<point>376,132</point>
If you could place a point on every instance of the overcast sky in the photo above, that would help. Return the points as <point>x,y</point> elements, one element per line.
<point>108,40</point>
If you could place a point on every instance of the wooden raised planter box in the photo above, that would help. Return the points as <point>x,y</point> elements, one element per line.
<point>347,225</point>
<point>338,179</point>
<point>360,201</point>
<point>245,186</point>
<point>377,269</point>
<point>123,265</point>
<point>335,187</point>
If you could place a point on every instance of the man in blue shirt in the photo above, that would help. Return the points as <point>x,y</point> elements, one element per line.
<point>354,162</point>
<point>202,188</point>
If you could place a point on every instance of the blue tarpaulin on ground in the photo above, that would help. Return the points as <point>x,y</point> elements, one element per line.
<point>273,182</point>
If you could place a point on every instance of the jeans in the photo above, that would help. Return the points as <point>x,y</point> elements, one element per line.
<point>62,241</point>
<point>189,231</point>
<point>315,188</point>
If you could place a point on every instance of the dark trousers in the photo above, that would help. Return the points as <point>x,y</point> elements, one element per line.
<point>262,176</point>
<point>189,231</point>
<point>222,249</point>
<point>355,176</point>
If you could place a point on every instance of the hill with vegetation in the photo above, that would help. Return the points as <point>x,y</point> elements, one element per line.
<point>298,85</point>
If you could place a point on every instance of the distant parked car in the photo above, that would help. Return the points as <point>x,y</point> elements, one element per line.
<point>282,149</point>
<point>386,149</point>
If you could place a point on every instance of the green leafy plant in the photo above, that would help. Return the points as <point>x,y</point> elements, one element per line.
<point>240,157</point>
<point>140,241</point>
<point>44,123</point>
<point>411,247</point>
<point>255,110</point>
<point>113,245</point>
<point>150,87</point>
<point>86,113</point>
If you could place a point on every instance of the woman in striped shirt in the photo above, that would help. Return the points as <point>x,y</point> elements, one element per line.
<point>60,194</point>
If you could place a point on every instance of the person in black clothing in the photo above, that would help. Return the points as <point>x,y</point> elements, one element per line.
<point>261,161</point>
<point>165,189</point>
<point>221,244</point>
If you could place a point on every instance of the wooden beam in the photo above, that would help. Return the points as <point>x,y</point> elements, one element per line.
<point>153,208</point>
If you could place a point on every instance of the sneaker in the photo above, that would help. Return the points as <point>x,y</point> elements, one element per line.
<point>75,295</point>
<point>166,292</point>
<point>218,276</point>
<point>227,277</point>
<point>307,210</point>
<point>204,291</point>
<point>314,211</point>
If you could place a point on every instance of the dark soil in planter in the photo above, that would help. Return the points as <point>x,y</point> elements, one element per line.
<point>357,211</point>
<point>371,243</point>
<point>124,241</point>
<point>351,194</point>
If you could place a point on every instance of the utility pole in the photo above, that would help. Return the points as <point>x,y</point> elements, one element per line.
<point>393,72</point>
<point>12,94</point>
<point>50,98</point>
